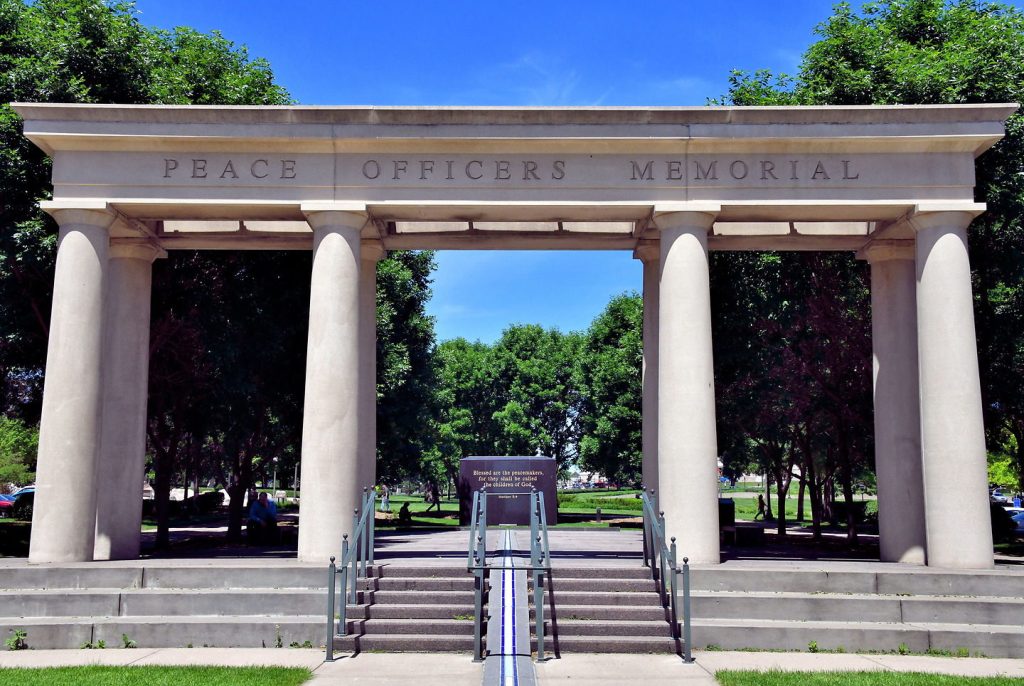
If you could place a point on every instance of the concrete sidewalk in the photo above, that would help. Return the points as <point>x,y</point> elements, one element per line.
<point>445,669</point>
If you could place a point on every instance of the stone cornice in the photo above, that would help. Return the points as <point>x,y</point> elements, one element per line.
<point>903,128</point>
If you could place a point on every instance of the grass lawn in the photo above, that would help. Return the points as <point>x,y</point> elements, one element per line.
<point>775,678</point>
<point>156,676</point>
<point>746,508</point>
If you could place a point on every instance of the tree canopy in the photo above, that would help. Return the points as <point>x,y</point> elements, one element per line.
<point>930,52</point>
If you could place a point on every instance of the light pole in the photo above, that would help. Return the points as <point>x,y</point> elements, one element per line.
<point>274,494</point>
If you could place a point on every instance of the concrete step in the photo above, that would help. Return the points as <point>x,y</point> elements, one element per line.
<point>430,584</point>
<point>905,580</point>
<point>236,577</point>
<point>406,626</point>
<point>417,571</point>
<point>858,607</point>
<point>620,612</point>
<point>618,598</point>
<point>560,584</point>
<point>404,643</point>
<point>607,627</point>
<point>416,597</point>
<point>411,611</point>
<point>607,644</point>
<point>559,571</point>
<point>992,641</point>
<point>169,632</point>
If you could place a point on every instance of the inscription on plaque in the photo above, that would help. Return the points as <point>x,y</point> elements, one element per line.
<point>508,481</point>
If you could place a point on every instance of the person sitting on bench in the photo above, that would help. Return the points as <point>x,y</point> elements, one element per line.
<point>262,524</point>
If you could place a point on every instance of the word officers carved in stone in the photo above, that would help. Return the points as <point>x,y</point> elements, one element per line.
<point>472,170</point>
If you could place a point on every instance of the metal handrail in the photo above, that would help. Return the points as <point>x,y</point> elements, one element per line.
<point>540,563</point>
<point>661,559</point>
<point>355,555</point>
<point>477,564</point>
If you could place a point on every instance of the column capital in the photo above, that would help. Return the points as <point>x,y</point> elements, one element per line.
<point>699,215</point>
<point>647,251</point>
<point>322,215</point>
<point>80,212</point>
<point>955,215</point>
<point>884,250</point>
<point>136,249</point>
<point>372,250</point>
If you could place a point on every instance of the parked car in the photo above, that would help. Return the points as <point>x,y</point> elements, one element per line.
<point>23,490</point>
<point>6,503</point>
<point>1018,519</point>
<point>1001,496</point>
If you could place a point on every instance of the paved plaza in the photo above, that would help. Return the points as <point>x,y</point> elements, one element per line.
<point>426,669</point>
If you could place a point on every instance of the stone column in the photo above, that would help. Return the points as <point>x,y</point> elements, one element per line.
<point>957,517</point>
<point>122,459</point>
<point>897,417</point>
<point>330,426</point>
<point>69,438</point>
<point>649,254</point>
<point>687,440</point>
<point>371,253</point>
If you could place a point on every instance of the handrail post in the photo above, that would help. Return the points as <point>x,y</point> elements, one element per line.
<point>544,528</point>
<point>687,657</point>
<point>355,555</point>
<point>483,525</point>
<point>472,528</point>
<point>478,604</point>
<point>364,530</point>
<point>372,524</point>
<point>329,645</point>
<point>674,596</point>
<point>538,606</point>
<point>533,525</point>
<point>643,512</point>
<point>342,623</point>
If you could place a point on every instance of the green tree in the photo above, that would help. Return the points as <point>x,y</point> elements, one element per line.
<point>538,399</point>
<point>19,444</point>
<point>925,52</point>
<point>84,51</point>
<point>610,367</point>
<point>405,370</point>
<point>465,404</point>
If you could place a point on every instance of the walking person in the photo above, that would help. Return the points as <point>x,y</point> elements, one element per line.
<point>762,507</point>
<point>385,498</point>
<point>434,497</point>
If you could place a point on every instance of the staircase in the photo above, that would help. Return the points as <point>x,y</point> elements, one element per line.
<point>604,610</point>
<point>403,609</point>
<point>406,607</point>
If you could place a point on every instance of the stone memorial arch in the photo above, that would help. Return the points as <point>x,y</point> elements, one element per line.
<point>895,185</point>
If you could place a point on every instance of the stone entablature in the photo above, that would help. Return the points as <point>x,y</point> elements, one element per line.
<point>514,177</point>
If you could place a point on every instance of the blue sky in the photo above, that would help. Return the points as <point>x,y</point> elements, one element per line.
<point>460,52</point>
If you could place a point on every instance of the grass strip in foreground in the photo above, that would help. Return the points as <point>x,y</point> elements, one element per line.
<point>880,678</point>
<point>153,675</point>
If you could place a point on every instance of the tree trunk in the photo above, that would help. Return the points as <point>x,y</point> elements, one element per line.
<point>782,487</point>
<point>237,490</point>
<point>846,476</point>
<point>800,498</point>
<point>162,497</point>
<point>768,498</point>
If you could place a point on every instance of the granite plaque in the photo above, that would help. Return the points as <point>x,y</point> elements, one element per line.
<point>508,481</point>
